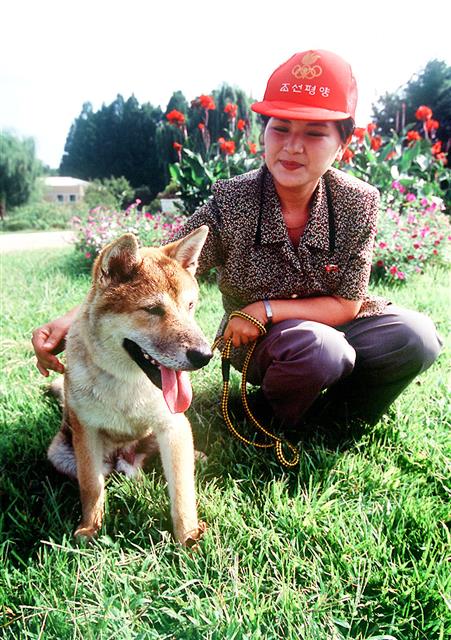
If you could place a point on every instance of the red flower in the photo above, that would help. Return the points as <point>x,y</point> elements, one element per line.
<point>347,155</point>
<point>207,102</point>
<point>376,143</point>
<point>252,147</point>
<point>177,146</point>
<point>412,136</point>
<point>393,270</point>
<point>441,157</point>
<point>436,148</point>
<point>391,155</point>
<point>380,263</point>
<point>423,113</point>
<point>201,126</point>
<point>431,125</point>
<point>241,124</point>
<point>228,146</point>
<point>372,126</point>
<point>359,133</point>
<point>231,110</point>
<point>175,117</point>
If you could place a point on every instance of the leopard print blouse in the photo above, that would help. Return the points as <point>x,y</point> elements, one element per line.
<point>249,244</point>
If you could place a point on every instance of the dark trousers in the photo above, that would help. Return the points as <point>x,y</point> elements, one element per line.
<point>364,365</point>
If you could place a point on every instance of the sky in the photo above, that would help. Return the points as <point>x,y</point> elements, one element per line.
<point>57,54</point>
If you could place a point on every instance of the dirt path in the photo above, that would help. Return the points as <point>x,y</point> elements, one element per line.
<point>37,240</point>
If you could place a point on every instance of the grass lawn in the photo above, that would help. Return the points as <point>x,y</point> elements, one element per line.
<point>351,545</point>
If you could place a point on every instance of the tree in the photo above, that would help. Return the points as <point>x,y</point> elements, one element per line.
<point>177,101</point>
<point>430,87</point>
<point>18,171</point>
<point>117,140</point>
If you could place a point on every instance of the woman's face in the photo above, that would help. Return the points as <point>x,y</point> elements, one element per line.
<point>299,152</point>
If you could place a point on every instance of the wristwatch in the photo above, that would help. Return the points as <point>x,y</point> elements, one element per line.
<point>268,311</point>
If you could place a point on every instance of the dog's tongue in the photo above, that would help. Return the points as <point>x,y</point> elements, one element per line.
<point>177,390</point>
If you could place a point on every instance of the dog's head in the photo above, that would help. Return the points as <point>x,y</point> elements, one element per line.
<point>142,303</point>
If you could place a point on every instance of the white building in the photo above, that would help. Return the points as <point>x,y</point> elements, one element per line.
<point>62,189</point>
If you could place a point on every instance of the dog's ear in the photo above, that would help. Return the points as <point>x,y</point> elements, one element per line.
<point>117,261</point>
<point>187,250</point>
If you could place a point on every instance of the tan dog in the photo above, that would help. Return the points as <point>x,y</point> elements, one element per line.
<point>126,384</point>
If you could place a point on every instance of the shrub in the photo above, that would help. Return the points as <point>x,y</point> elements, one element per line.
<point>104,225</point>
<point>114,193</point>
<point>40,216</point>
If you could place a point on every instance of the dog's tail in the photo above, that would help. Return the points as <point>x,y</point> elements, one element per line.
<point>61,454</point>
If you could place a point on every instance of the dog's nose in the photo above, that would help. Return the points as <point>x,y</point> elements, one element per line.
<point>199,358</point>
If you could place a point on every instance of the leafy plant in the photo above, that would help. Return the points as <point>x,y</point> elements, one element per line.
<point>197,170</point>
<point>414,158</point>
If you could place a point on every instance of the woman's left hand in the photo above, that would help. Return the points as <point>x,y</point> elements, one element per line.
<point>242,331</point>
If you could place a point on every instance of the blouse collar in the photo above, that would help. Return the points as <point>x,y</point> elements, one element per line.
<point>271,227</point>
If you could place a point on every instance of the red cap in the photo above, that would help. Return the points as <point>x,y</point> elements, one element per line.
<point>314,84</point>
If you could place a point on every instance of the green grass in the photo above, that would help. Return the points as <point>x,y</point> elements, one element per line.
<point>351,545</point>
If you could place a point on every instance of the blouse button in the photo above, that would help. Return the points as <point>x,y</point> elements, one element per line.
<point>294,295</point>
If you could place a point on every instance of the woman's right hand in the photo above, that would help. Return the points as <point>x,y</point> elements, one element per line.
<point>49,340</point>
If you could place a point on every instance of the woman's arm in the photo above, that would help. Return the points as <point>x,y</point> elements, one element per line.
<point>330,310</point>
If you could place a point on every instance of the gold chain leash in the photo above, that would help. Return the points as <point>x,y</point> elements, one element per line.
<point>276,442</point>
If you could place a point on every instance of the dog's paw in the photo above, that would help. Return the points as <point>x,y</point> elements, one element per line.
<point>200,456</point>
<point>192,538</point>
<point>86,532</point>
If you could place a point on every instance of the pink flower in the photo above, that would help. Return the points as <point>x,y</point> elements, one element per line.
<point>398,186</point>
<point>400,275</point>
<point>393,270</point>
<point>87,255</point>
<point>382,245</point>
<point>410,197</point>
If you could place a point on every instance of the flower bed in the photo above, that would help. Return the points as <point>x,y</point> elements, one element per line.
<point>410,232</point>
<point>104,225</point>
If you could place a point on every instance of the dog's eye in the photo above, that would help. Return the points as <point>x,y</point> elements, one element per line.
<point>191,306</point>
<point>155,310</point>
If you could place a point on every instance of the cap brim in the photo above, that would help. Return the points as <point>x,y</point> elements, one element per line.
<point>289,111</point>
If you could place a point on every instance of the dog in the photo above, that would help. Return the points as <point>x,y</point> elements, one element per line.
<point>126,385</point>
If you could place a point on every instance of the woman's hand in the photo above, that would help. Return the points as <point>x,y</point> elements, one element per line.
<point>48,340</point>
<point>242,331</point>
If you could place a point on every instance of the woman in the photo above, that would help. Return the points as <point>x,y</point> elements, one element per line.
<point>292,243</point>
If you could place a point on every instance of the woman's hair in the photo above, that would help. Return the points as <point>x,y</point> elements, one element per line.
<point>345,127</point>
